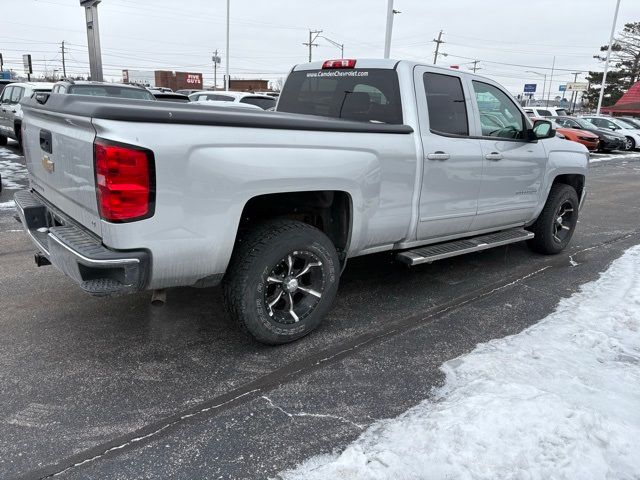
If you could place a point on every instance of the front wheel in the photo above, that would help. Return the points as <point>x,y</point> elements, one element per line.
<point>281,281</point>
<point>555,226</point>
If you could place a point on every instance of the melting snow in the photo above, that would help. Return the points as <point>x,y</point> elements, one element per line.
<point>14,174</point>
<point>10,205</point>
<point>560,400</point>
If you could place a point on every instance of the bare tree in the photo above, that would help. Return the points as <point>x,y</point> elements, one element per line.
<point>625,53</point>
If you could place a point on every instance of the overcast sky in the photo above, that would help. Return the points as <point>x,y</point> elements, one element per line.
<point>267,36</point>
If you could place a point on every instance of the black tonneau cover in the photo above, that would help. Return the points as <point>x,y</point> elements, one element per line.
<point>130,110</point>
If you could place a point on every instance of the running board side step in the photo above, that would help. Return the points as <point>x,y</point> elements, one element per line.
<point>431,253</point>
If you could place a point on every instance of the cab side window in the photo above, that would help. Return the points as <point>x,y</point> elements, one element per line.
<point>496,107</point>
<point>446,104</point>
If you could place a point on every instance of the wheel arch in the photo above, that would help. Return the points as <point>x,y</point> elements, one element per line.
<point>331,211</point>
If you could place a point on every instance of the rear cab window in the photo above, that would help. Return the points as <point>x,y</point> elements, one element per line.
<point>111,91</point>
<point>366,95</point>
<point>446,104</point>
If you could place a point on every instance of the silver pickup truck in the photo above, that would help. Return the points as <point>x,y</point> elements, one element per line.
<point>361,156</point>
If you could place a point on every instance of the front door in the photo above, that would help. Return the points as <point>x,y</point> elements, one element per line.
<point>452,163</point>
<point>513,167</point>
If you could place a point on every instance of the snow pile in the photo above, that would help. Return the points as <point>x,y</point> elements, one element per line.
<point>559,400</point>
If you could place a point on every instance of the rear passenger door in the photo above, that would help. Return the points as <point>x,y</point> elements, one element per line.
<point>5,106</point>
<point>513,167</point>
<point>452,163</point>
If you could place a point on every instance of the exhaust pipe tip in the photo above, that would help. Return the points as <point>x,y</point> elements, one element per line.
<point>159,298</point>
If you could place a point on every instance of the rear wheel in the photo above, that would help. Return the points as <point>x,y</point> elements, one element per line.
<point>555,226</point>
<point>630,144</point>
<point>3,140</point>
<point>281,281</point>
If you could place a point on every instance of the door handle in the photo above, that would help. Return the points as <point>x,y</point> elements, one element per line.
<point>438,156</point>
<point>493,156</point>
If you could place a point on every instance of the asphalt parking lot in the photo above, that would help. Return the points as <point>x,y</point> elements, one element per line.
<point>116,388</point>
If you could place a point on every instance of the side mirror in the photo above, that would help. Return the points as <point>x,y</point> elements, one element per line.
<point>541,129</point>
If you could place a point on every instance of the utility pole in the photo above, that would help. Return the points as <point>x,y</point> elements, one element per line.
<point>216,61</point>
<point>93,38</point>
<point>606,63</point>
<point>574,94</point>
<point>64,65</point>
<point>313,36</point>
<point>438,42</point>
<point>475,66</point>
<point>227,80</point>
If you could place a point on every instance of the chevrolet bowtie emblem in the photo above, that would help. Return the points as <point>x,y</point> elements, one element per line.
<point>47,164</point>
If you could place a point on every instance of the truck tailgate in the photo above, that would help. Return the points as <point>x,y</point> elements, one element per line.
<point>59,154</point>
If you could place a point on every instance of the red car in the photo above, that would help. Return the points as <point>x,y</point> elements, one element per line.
<point>586,138</point>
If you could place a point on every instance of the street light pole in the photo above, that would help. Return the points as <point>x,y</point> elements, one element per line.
<point>553,67</point>
<point>336,44</point>
<point>544,82</point>
<point>387,38</point>
<point>93,38</point>
<point>606,63</point>
<point>226,80</point>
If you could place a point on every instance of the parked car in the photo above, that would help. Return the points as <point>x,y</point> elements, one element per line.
<point>631,120</point>
<point>102,89</point>
<point>361,156</point>
<point>545,111</point>
<point>586,138</point>
<point>4,82</point>
<point>263,101</point>
<point>609,123</point>
<point>609,140</point>
<point>11,111</point>
<point>188,91</point>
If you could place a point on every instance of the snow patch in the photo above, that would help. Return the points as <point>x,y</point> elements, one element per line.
<point>559,400</point>
<point>14,174</point>
<point>10,205</point>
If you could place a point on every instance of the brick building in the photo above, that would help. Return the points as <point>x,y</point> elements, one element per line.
<point>178,80</point>
<point>248,85</point>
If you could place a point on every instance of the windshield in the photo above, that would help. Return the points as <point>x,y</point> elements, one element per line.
<point>634,122</point>
<point>367,95</point>
<point>111,91</point>
<point>624,124</point>
<point>585,124</point>
<point>262,102</point>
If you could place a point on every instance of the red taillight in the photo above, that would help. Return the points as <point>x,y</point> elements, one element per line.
<point>342,63</point>
<point>124,181</point>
